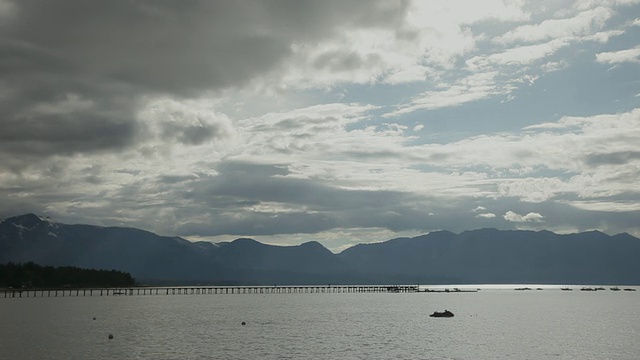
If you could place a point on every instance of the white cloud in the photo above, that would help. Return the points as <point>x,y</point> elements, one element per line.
<point>591,156</point>
<point>468,89</point>
<point>530,217</point>
<point>486,215</point>
<point>499,73</point>
<point>468,12</point>
<point>588,4</point>
<point>479,208</point>
<point>582,24</point>
<point>554,66</point>
<point>517,56</point>
<point>431,36</point>
<point>618,57</point>
<point>605,206</point>
<point>602,36</point>
<point>559,145</point>
<point>410,74</point>
<point>531,189</point>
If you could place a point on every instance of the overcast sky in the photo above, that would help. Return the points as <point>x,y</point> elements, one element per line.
<point>336,121</point>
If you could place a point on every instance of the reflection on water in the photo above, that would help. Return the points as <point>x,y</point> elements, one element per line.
<point>488,324</point>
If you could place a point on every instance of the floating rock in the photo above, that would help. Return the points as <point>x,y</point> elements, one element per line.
<point>445,314</point>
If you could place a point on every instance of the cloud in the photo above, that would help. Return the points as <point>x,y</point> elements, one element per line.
<point>299,120</point>
<point>187,122</point>
<point>612,158</point>
<point>258,199</point>
<point>423,39</point>
<point>522,55</point>
<point>498,65</point>
<point>532,189</point>
<point>530,217</point>
<point>582,24</point>
<point>181,47</point>
<point>606,206</point>
<point>79,86</point>
<point>586,4</point>
<point>50,129</point>
<point>507,62</point>
<point>411,74</point>
<point>468,89</point>
<point>486,215</point>
<point>619,57</point>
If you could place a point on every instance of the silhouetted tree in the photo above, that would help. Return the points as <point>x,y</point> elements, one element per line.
<point>30,275</point>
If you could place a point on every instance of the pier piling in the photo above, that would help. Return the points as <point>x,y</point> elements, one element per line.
<point>208,290</point>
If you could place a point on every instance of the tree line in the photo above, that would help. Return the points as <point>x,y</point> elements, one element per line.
<point>31,275</point>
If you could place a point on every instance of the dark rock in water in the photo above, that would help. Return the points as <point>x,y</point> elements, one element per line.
<point>445,313</point>
<point>244,323</point>
<point>110,336</point>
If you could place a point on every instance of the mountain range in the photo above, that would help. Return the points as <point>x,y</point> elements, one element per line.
<point>484,256</point>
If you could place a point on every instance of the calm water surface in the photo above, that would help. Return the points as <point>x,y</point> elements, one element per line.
<point>490,324</point>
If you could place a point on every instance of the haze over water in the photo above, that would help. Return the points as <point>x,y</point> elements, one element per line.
<point>496,324</point>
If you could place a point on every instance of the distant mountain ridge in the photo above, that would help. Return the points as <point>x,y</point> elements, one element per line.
<point>471,257</point>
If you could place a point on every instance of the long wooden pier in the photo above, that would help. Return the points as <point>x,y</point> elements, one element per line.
<point>206,290</point>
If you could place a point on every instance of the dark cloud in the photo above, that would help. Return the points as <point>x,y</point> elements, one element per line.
<point>176,179</point>
<point>191,134</point>
<point>65,134</point>
<point>337,61</point>
<point>247,199</point>
<point>112,53</point>
<point>185,45</point>
<point>268,184</point>
<point>20,57</point>
<point>263,224</point>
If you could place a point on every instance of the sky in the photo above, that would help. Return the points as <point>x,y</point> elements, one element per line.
<point>341,122</point>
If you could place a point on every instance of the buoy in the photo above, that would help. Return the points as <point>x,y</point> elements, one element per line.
<point>110,336</point>
<point>94,318</point>
<point>244,323</point>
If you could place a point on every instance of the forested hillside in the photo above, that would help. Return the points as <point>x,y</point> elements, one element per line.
<point>31,275</point>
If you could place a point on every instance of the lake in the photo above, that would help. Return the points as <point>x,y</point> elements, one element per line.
<point>490,324</point>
